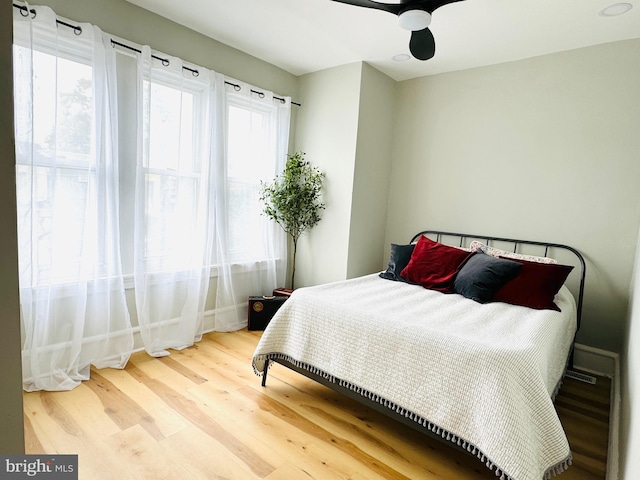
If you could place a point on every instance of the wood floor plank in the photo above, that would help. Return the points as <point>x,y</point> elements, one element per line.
<point>47,430</point>
<point>190,410</point>
<point>215,365</point>
<point>201,413</point>
<point>300,422</point>
<point>122,410</point>
<point>200,455</point>
<point>393,443</point>
<point>240,414</point>
<point>87,412</point>
<point>235,365</point>
<point>182,369</point>
<point>288,472</point>
<point>147,457</point>
<point>59,433</point>
<point>165,418</point>
<point>56,412</point>
<point>31,440</point>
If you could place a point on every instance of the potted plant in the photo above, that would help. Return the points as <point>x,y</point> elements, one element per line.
<point>293,200</point>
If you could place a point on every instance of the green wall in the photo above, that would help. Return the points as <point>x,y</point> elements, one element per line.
<point>11,419</point>
<point>372,168</point>
<point>630,385</point>
<point>543,149</point>
<point>130,22</point>
<point>346,128</point>
<point>327,131</point>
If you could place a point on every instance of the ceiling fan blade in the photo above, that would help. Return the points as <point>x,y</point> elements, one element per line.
<point>431,5</point>
<point>399,6</point>
<point>422,44</point>
<point>387,7</point>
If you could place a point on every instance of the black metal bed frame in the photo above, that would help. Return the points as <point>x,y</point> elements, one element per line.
<point>516,243</point>
<point>439,235</point>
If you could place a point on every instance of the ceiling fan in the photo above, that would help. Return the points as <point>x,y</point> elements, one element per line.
<point>414,15</point>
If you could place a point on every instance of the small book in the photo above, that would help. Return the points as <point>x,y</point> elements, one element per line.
<point>282,292</point>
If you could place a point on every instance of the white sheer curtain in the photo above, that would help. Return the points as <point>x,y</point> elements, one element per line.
<point>202,150</point>
<point>179,146</point>
<point>72,298</point>
<point>251,251</point>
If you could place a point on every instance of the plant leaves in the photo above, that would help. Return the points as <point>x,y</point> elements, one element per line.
<point>294,200</point>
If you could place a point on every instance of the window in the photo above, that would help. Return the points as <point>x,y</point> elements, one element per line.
<point>56,164</point>
<point>251,158</point>
<point>115,159</point>
<point>174,169</point>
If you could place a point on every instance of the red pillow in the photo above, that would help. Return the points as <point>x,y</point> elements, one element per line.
<point>535,286</point>
<point>434,265</point>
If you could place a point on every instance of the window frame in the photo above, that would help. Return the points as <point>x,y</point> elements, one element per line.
<point>268,110</point>
<point>67,49</point>
<point>200,171</point>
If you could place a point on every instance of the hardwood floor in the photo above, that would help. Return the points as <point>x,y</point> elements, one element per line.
<point>202,414</point>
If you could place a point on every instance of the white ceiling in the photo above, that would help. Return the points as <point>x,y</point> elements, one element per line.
<point>303,36</point>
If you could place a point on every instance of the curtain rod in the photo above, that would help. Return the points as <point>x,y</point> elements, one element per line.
<point>195,73</point>
<point>77,29</point>
<point>24,11</point>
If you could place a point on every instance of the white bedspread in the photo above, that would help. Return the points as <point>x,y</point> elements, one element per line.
<point>482,376</point>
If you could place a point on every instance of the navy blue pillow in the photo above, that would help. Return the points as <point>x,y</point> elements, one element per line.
<point>398,259</point>
<point>483,275</point>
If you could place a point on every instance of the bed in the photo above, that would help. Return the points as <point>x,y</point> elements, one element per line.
<point>478,371</point>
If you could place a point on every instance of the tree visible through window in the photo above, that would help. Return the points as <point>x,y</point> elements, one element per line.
<point>59,152</point>
<point>63,162</point>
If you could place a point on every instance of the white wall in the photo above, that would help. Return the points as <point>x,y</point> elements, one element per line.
<point>346,129</point>
<point>327,131</point>
<point>372,170</point>
<point>630,373</point>
<point>11,417</point>
<point>544,148</point>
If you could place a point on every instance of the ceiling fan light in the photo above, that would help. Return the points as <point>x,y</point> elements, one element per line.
<point>414,20</point>
<point>401,57</point>
<point>616,9</point>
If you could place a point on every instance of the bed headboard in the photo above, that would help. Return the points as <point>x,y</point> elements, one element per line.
<point>462,240</point>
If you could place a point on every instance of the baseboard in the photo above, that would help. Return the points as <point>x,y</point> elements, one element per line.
<point>595,360</point>
<point>208,326</point>
<point>605,363</point>
<point>614,425</point>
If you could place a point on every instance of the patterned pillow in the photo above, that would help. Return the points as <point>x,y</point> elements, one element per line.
<point>496,252</point>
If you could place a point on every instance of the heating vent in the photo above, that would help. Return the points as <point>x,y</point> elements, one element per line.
<point>583,377</point>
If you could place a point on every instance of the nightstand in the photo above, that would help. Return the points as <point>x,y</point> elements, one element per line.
<point>262,309</point>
